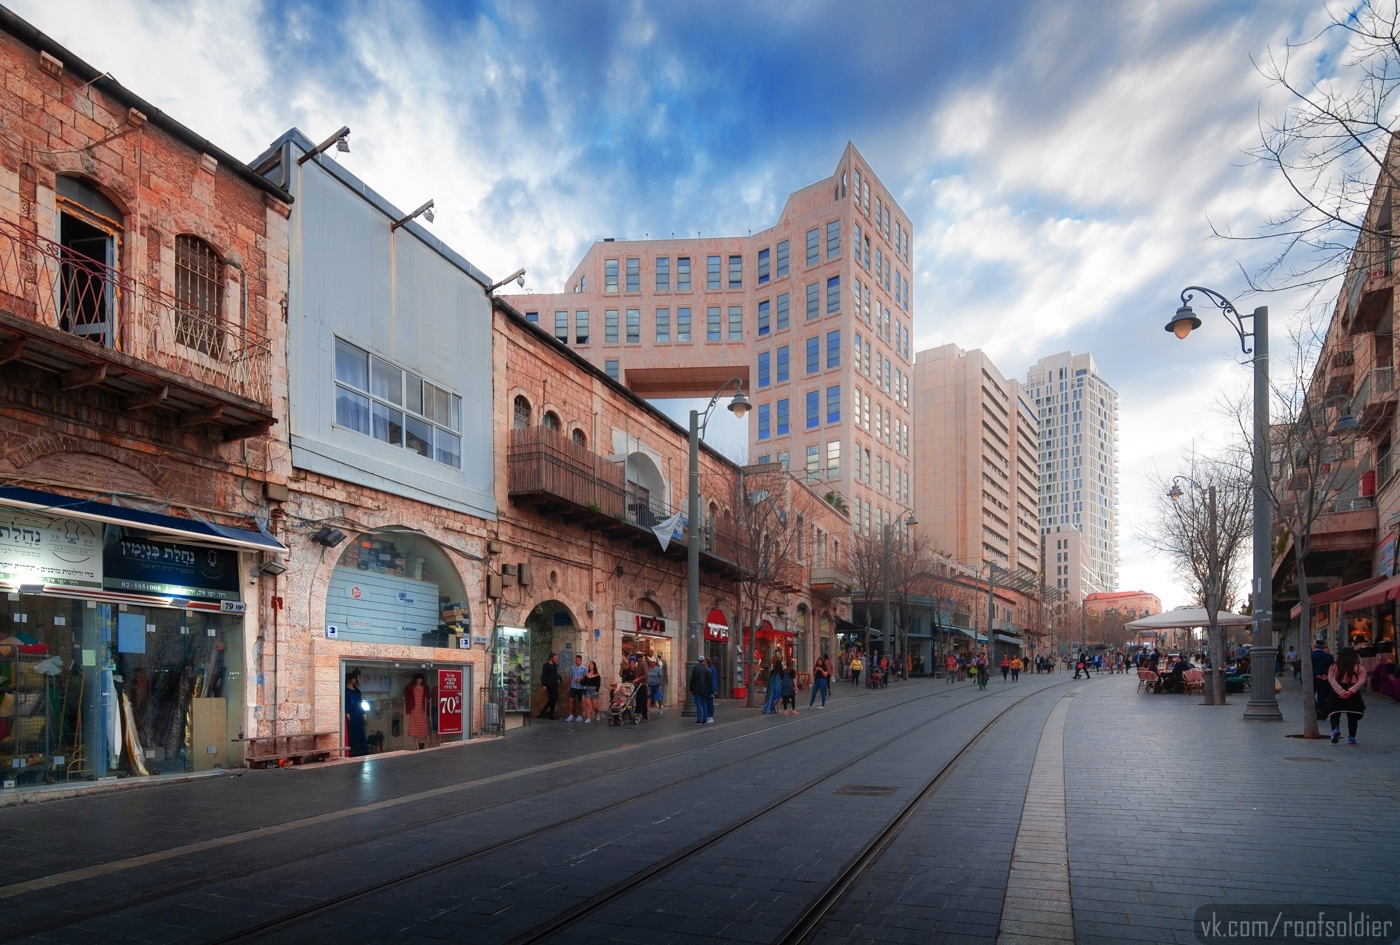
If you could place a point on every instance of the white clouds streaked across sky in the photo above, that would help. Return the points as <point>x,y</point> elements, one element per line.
<point>1059,161</point>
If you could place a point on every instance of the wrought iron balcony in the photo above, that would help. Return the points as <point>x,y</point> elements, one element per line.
<point>65,313</point>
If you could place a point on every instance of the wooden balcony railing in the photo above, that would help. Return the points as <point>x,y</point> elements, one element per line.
<point>47,283</point>
<point>547,463</point>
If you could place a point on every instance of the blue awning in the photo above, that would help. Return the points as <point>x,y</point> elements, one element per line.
<point>166,526</point>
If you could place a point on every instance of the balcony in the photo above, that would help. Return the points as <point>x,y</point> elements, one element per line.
<point>831,582</point>
<point>66,314</point>
<point>1374,403</point>
<point>559,477</point>
<point>1370,286</point>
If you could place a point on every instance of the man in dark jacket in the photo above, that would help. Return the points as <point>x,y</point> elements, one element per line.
<point>700,689</point>
<point>1321,662</point>
<point>549,678</point>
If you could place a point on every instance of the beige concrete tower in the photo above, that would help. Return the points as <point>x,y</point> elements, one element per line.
<point>975,462</point>
<point>814,313</point>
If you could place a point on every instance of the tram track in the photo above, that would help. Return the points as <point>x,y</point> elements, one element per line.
<point>565,919</point>
<point>175,889</point>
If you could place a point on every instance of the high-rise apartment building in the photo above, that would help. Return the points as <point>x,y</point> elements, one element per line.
<point>1078,472</point>
<point>813,314</point>
<point>976,462</point>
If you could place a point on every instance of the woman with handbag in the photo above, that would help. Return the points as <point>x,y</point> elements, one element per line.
<point>1346,677</point>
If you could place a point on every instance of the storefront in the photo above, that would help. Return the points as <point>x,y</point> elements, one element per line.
<point>396,607</point>
<point>769,644</point>
<point>123,648</point>
<point>398,719</point>
<point>717,650</point>
<point>644,636</point>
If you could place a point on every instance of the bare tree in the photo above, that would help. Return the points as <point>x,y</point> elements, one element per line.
<point>1203,531</point>
<point>1331,146</point>
<point>768,511</point>
<point>912,567</point>
<point>867,553</point>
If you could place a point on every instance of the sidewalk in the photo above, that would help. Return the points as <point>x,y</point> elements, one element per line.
<point>1172,805</point>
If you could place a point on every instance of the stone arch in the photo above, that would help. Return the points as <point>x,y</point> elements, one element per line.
<point>522,411</point>
<point>549,635</point>
<point>645,605</point>
<point>49,452</point>
<point>646,490</point>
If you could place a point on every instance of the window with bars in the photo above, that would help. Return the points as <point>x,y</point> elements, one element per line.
<point>580,437</point>
<point>550,420</point>
<point>199,292</point>
<point>522,412</point>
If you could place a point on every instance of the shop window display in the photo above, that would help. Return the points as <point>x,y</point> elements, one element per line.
<point>512,669</point>
<point>397,589</point>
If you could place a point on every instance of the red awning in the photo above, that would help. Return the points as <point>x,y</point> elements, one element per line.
<point>1336,594</point>
<point>1387,590</point>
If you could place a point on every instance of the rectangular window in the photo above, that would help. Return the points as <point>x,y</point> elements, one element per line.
<point>764,368</point>
<point>782,416</point>
<point>879,212</point>
<point>867,253</point>
<point>833,295</point>
<point>880,267</point>
<point>634,275</point>
<point>532,317</point>
<point>856,233</point>
<point>814,347</point>
<point>763,265</point>
<point>855,459</point>
<point>833,348</point>
<point>762,460</point>
<point>610,326</point>
<point>610,276</point>
<point>814,247</point>
<point>581,326</point>
<point>712,326</point>
<point>813,461</point>
<point>782,364</point>
<point>682,273</point>
<point>784,458</point>
<point>763,422</point>
<point>833,404</point>
<point>765,316</point>
<point>610,367</point>
<point>634,326</point>
<point>736,272</point>
<point>663,273</point>
<point>782,259</point>
<point>712,273</point>
<point>663,324</point>
<point>833,459</point>
<point>782,312</point>
<point>857,351</point>
<point>833,239</point>
<point>736,323</point>
<point>814,409</point>
<point>683,324</point>
<point>867,467</point>
<point>561,326</point>
<point>380,399</point>
<point>814,301</point>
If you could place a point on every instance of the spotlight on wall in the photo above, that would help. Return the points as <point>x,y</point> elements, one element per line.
<point>31,588</point>
<point>273,566</point>
<point>518,277</point>
<point>179,602</point>
<point>330,537</point>
<point>424,211</point>
<point>339,139</point>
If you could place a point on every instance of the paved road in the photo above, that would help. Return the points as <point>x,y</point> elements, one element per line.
<point>1047,811</point>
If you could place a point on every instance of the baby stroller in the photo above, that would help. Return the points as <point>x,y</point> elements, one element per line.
<point>622,707</point>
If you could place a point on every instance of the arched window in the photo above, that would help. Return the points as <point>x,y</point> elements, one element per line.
<point>550,420</point>
<point>522,413</point>
<point>89,232</point>
<point>579,437</point>
<point>199,292</point>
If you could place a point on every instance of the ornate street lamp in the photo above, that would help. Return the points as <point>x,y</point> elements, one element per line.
<point>1263,705</point>
<point>739,406</point>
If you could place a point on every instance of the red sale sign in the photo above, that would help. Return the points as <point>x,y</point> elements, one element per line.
<point>449,701</point>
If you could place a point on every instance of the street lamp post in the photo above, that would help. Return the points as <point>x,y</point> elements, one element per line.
<point>885,627</point>
<point>991,611</point>
<point>1263,704</point>
<point>739,406</point>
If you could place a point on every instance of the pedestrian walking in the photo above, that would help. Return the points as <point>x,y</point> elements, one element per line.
<point>775,687</point>
<point>1016,669</point>
<point>830,676</point>
<point>654,677</point>
<point>592,684</point>
<point>576,674</point>
<point>1345,679</point>
<point>950,668</point>
<point>700,687</point>
<point>714,692</point>
<point>788,686</point>
<point>856,666</point>
<point>635,673</point>
<point>1005,667</point>
<point>984,670</point>
<point>819,677</point>
<point>1321,663</point>
<point>549,682</point>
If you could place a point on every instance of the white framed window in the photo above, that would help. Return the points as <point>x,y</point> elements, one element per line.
<point>382,400</point>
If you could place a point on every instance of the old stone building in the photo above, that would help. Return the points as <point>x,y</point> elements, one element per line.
<point>142,273</point>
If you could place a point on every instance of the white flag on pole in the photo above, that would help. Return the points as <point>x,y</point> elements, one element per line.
<point>668,530</point>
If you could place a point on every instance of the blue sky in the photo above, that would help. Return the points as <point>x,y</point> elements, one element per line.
<point>1060,161</point>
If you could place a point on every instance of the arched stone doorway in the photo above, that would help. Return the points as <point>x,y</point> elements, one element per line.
<point>550,629</point>
<point>646,491</point>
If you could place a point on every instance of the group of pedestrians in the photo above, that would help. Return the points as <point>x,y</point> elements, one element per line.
<point>702,686</point>
<point>586,682</point>
<point>1337,685</point>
